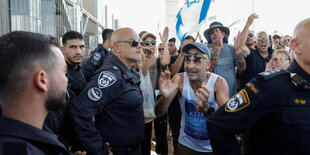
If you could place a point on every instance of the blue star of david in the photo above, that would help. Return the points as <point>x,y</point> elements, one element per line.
<point>189,4</point>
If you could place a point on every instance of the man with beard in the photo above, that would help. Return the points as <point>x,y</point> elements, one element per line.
<point>224,57</point>
<point>108,113</point>
<point>74,52</point>
<point>200,94</point>
<point>33,82</point>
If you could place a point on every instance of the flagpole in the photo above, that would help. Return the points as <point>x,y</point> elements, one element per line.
<point>252,13</point>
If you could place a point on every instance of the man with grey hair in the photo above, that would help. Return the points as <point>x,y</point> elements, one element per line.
<point>256,58</point>
<point>274,108</point>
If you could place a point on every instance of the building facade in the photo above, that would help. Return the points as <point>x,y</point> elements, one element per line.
<point>56,17</point>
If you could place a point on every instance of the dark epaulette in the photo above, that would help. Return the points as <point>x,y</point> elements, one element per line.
<point>272,73</point>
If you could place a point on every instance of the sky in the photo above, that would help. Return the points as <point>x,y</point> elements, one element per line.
<point>274,15</point>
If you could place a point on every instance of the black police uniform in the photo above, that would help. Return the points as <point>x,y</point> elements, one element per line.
<point>115,100</point>
<point>95,61</point>
<point>76,79</point>
<point>18,138</point>
<point>274,111</point>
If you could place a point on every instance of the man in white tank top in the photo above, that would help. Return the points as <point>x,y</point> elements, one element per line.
<point>200,93</point>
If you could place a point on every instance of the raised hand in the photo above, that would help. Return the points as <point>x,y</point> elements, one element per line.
<point>166,87</point>
<point>251,19</point>
<point>203,97</point>
<point>164,37</point>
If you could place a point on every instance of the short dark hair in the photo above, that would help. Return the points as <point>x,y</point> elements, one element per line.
<point>20,53</point>
<point>70,35</point>
<point>106,34</point>
<point>54,41</point>
<point>171,40</point>
<point>190,37</point>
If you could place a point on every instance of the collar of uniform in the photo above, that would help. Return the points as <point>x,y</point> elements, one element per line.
<point>72,67</point>
<point>15,128</point>
<point>123,67</point>
<point>295,68</point>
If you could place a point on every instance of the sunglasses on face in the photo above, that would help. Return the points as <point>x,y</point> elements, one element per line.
<point>262,39</point>
<point>276,59</point>
<point>133,42</point>
<point>147,43</point>
<point>160,49</point>
<point>197,57</point>
<point>251,35</point>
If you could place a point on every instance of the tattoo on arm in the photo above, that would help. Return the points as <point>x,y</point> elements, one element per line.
<point>241,61</point>
<point>214,58</point>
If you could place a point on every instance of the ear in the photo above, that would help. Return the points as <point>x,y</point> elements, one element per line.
<point>41,80</point>
<point>295,46</point>
<point>63,50</point>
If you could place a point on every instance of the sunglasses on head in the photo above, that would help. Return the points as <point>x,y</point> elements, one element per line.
<point>147,43</point>
<point>251,35</point>
<point>133,42</point>
<point>160,49</point>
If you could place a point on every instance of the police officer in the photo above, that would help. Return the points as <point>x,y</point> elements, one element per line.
<point>33,82</point>
<point>273,107</point>
<point>74,52</point>
<point>115,100</point>
<point>99,54</point>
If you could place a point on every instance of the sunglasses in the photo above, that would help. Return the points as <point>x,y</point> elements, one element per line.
<point>196,56</point>
<point>276,59</point>
<point>251,35</point>
<point>147,43</point>
<point>262,39</point>
<point>133,42</point>
<point>160,49</point>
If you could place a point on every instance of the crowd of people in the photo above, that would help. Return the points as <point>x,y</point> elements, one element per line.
<point>55,101</point>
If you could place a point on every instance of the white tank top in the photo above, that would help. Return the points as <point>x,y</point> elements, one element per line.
<point>193,132</point>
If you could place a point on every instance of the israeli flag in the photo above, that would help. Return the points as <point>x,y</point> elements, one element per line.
<point>191,17</point>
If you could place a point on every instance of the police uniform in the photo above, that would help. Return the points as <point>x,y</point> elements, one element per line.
<point>76,79</point>
<point>273,108</point>
<point>115,100</point>
<point>18,138</point>
<point>95,61</point>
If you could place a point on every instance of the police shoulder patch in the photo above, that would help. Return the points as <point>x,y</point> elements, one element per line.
<point>94,94</point>
<point>97,56</point>
<point>106,79</point>
<point>238,102</point>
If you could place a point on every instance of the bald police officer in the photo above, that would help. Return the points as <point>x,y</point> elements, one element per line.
<point>274,108</point>
<point>115,100</point>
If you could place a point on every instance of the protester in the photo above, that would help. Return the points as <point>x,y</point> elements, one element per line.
<point>201,93</point>
<point>273,107</point>
<point>257,58</point>
<point>280,59</point>
<point>224,57</point>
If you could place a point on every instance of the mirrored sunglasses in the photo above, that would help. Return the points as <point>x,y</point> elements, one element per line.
<point>147,43</point>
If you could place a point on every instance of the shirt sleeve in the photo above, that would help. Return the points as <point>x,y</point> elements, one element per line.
<point>238,114</point>
<point>93,63</point>
<point>90,103</point>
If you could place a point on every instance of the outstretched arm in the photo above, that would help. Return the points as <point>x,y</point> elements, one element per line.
<point>168,89</point>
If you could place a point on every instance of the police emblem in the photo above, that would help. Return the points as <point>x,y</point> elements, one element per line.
<point>94,94</point>
<point>106,79</point>
<point>238,102</point>
<point>97,56</point>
